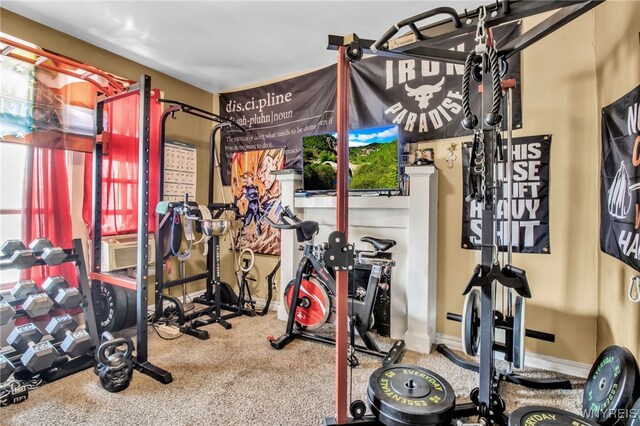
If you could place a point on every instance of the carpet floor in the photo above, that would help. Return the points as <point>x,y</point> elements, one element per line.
<point>236,378</point>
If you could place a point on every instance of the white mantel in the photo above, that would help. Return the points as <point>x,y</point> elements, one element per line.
<point>409,220</point>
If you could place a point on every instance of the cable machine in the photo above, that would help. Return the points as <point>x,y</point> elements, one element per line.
<point>418,43</point>
<point>211,298</point>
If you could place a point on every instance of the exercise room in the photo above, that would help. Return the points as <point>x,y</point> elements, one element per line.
<point>320,213</point>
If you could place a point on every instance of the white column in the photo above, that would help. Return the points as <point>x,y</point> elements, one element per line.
<point>422,258</point>
<point>290,181</point>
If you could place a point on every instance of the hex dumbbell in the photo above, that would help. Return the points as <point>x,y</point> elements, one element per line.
<point>20,256</point>
<point>24,288</point>
<point>6,368</point>
<point>37,356</point>
<point>58,289</point>
<point>6,312</point>
<point>50,254</point>
<point>74,342</point>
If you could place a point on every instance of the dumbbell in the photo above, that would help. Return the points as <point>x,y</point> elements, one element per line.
<point>36,356</point>
<point>58,289</point>
<point>6,312</point>
<point>20,256</point>
<point>74,343</point>
<point>36,303</point>
<point>6,368</point>
<point>50,254</point>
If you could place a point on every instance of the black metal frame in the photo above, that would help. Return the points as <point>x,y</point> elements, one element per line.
<point>143,88</point>
<point>211,314</point>
<point>419,43</point>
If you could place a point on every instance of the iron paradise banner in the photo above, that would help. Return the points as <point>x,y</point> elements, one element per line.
<point>620,180</point>
<point>530,199</point>
<point>424,98</point>
<point>278,115</point>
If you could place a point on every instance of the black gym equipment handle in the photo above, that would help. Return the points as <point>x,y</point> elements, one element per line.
<point>534,334</point>
<point>283,224</point>
<point>412,20</point>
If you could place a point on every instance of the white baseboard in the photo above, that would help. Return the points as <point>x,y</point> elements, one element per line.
<point>531,360</point>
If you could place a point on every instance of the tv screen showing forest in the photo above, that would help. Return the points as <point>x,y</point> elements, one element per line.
<point>373,160</point>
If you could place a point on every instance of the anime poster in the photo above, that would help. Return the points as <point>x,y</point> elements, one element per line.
<point>257,193</point>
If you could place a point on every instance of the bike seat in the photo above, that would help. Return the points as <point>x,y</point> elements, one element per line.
<point>378,243</point>
<point>307,230</point>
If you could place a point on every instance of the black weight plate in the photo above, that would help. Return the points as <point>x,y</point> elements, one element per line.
<point>410,395</point>
<point>634,414</point>
<point>111,307</point>
<point>546,416</point>
<point>518,332</point>
<point>610,385</point>
<point>471,323</point>
<point>227,295</point>
<point>132,304</point>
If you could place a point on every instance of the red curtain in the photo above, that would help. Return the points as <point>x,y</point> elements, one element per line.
<point>120,167</point>
<point>47,212</point>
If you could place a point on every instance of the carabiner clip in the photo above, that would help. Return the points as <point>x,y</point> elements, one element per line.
<point>481,35</point>
<point>634,289</point>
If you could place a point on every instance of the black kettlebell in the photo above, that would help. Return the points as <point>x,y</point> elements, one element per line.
<point>115,367</point>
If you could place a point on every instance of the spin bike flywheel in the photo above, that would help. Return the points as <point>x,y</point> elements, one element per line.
<point>314,305</point>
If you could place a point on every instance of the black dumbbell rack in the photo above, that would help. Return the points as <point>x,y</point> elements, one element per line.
<point>97,277</point>
<point>64,365</point>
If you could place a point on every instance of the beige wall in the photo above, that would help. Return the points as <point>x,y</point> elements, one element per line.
<point>617,47</point>
<point>186,128</point>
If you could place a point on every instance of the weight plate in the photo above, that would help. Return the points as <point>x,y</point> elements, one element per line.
<point>132,309</point>
<point>111,307</point>
<point>546,416</point>
<point>634,414</point>
<point>227,295</point>
<point>518,332</point>
<point>611,385</point>
<point>410,395</point>
<point>471,323</point>
<point>314,305</point>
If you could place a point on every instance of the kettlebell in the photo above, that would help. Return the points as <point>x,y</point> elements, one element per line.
<point>114,366</point>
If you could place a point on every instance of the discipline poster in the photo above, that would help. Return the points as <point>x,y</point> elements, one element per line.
<point>530,199</point>
<point>620,179</point>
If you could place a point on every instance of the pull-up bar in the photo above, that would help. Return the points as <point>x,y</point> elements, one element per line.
<point>198,112</point>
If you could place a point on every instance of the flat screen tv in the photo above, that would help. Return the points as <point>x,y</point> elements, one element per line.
<point>373,160</point>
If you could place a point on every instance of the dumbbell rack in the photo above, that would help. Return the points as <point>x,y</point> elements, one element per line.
<point>63,366</point>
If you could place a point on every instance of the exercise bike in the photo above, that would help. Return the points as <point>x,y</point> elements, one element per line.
<point>310,296</point>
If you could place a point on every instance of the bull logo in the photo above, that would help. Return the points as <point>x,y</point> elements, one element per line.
<point>424,93</point>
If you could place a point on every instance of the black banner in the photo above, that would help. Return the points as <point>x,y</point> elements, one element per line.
<point>424,98</point>
<point>278,115</point>
<point>530,201</point>
<point>620,179</point>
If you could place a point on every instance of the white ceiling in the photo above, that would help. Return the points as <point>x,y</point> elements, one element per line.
<point>219,45</point>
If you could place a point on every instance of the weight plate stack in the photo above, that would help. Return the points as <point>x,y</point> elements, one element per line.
<point>410,395</point>
<point>546,416</point>
<point>612,386</point>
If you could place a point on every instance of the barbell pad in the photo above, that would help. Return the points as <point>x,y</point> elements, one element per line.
<point>53,256</point>
<point>21,335</point>
<point>6,312</point>
<point>23,259</point>
<point>39,244</point>
<point>37,305</point>
<point>10,246</point>
<point>39,356</point>
<point>24,288</point>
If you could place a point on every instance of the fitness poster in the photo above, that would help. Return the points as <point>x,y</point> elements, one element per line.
<point>620,179</point>
<point>278,115</point>
<point>424,98</point>
<point>530,199</point>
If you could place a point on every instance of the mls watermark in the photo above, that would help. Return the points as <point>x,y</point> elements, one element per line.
<point>620,413</point>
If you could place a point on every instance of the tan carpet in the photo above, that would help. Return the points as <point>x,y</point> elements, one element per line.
<point>236,378</point>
